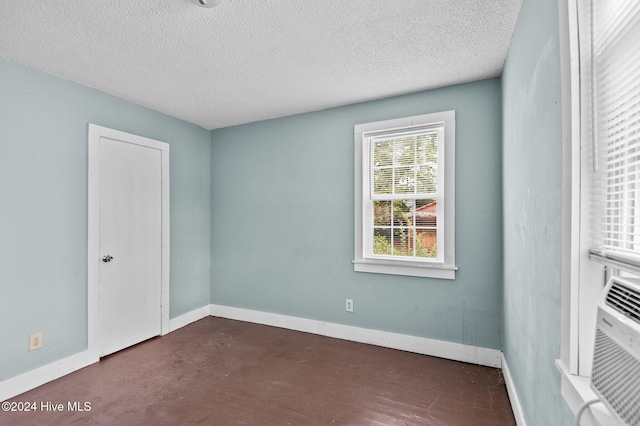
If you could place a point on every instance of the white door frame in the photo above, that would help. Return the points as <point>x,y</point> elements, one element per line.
<point>93,306</point>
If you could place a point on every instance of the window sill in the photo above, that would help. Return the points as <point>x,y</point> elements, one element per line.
<point>405,268</point>
<point>576,390</point>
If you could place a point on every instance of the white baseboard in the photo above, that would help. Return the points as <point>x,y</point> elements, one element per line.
<point>32,379</point>
<point>455,351</point>
<point>513,396</point>
<point>188,318</point>
<point>421,345</point>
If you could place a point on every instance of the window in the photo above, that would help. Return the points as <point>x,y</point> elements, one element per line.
<point>610,141</point>
<point>404,188</point>
<point>615,134</point>
<point>604,189</point>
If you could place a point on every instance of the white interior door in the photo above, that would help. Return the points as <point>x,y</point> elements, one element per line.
<point>129,241</point>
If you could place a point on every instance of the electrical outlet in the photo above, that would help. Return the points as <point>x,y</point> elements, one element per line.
<point>349,305</point>
<point>35,341</point>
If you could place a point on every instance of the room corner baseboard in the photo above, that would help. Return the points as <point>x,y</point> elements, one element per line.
<point>188,318</point>
<point>24,382</point>
<point>513,396</point>
<point>421,345</point>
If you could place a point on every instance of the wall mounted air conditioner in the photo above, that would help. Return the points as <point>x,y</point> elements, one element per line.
<point>615,377</point>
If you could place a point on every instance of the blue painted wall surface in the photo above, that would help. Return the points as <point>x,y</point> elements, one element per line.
<point>43,210</point>
<point>283,221</point>
<point>532,180</point>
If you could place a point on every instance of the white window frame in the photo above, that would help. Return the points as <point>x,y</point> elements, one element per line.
<point>583,275</point>
<point>586,276</point>
<point>364,262</point>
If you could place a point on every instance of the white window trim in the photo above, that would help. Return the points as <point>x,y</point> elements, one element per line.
<point>416,268</point>
<point>578,293</point>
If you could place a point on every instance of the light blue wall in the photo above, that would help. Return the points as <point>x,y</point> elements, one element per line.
<point>283,221</point>
<point>532,180</point>
<point>278,235</point>
<point>43,210</point>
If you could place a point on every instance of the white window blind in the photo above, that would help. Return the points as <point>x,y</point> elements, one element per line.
<point>614,115</point>
<point>405,163</point>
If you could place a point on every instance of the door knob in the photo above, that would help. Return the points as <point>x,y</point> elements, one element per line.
<point>107,258</point>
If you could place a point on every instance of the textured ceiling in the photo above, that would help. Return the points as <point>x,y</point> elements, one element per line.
<point>249,60</point>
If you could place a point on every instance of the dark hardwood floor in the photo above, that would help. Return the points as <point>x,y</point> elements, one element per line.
<point>218,371</point>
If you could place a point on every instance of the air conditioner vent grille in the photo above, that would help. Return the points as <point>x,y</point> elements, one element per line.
<point>624,300</point>
<point>616,376</point>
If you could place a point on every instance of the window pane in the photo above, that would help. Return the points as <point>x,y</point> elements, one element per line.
<point>426,179</point>
<point>427,149</point>
<point>382,213</point>
<point>405,151</point>
<point>401,242</point>
<point>382,241</point>
<point>383,153</point>
<point>402,212</point>
<point>427,163</point>
<point>426,211</point>
<point>426,232</point>
<point>405,180</point>
<point>426,244</point>
<point>383,181</point>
